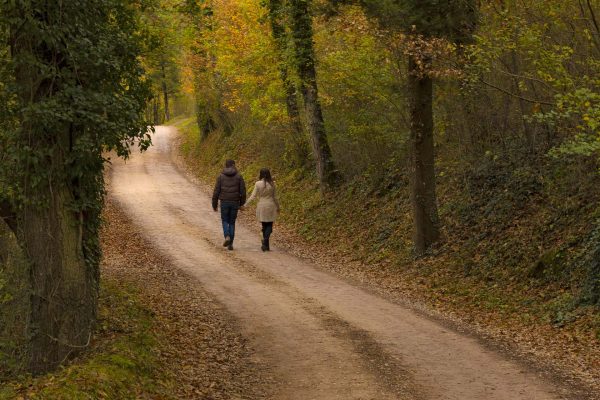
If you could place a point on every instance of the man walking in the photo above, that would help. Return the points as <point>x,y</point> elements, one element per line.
<point>230,189</point>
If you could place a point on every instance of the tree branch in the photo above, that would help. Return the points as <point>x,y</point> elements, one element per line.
<point>592,18</point>
<point>515,95</point>
<point>593,14</point>
<point>528,78</point>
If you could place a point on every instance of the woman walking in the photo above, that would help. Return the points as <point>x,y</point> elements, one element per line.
<point>267,207</point>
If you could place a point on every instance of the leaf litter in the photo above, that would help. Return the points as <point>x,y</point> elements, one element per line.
<point>205,354</point>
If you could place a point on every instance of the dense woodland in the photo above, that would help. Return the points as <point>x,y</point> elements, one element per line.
<point>454,143</point>
<point>464,132</point>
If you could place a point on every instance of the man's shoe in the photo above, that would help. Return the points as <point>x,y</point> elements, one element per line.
<point>230,247</point>
<point>227,241</point>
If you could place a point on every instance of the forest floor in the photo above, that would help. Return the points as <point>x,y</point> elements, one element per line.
<point>201,353</point>
<point>318,335</point>
<point>159,335</point>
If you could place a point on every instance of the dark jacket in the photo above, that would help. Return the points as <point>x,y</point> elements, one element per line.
<point>230,186</point>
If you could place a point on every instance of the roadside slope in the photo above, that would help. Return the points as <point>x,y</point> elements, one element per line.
<point>513,265</point>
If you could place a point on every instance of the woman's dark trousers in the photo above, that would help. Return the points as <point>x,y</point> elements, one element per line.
<point>267,229</point>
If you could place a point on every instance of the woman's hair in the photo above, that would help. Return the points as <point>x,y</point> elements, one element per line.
<point>265,175</point>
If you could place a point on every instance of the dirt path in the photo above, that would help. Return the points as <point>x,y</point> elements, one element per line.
<point>205,354</point>
<point>323,337</point>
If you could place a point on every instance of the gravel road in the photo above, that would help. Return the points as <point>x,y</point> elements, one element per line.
<point>322,337</point>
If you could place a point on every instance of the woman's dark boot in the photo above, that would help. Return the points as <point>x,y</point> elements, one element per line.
<point>264,246</point>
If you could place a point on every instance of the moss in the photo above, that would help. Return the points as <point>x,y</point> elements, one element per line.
<point>14,304</point>
<point>122,364</point>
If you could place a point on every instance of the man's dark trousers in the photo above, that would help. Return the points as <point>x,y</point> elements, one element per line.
<point>229,212</point>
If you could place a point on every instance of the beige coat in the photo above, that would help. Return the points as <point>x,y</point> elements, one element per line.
<point>268,206</point>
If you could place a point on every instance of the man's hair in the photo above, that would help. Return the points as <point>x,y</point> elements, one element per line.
<point>229,163</point>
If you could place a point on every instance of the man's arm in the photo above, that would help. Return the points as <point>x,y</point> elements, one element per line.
<point>216,194</point>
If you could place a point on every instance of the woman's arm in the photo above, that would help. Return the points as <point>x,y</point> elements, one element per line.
<point>252,196</point>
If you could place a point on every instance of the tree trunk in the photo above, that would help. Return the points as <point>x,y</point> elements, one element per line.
<point>301,25</point>
<point>63,299</point>
<point>529,136</point>
<point>155,108</point>
<point>326,171</point>
<point>165,93</point>
<point>291,98</point>
<point>422,159</point>
<point>512,65</point>
<point>64,286</point>
<point>200,120</point>
<point>204,119</point>
<point>291,102</point>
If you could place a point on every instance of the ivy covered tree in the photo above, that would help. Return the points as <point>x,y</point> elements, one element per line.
<point>304,62</point>
<point>277,21</point>
<point>74,89</point>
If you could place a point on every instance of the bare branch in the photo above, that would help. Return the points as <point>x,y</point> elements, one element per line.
<point>533,101</point>
<point>593,14</point>
<point>528,78</point>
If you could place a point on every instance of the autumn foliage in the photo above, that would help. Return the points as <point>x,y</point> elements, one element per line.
<point>514,122</point>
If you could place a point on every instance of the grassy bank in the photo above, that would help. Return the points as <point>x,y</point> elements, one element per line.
<point>122,362</point>
<point>519,252</point>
